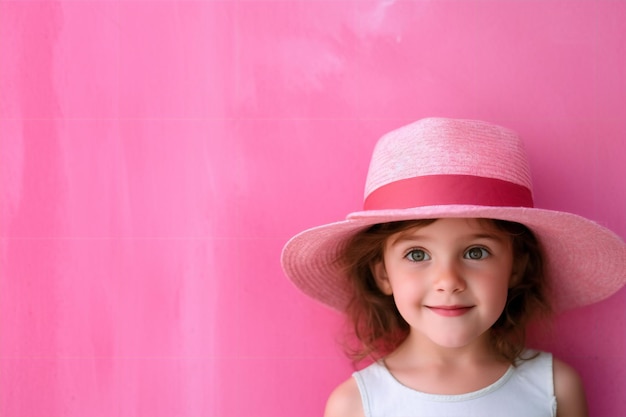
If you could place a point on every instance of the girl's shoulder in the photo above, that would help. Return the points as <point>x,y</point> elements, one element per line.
<point>568,390</point>
<point>345,401</point>
<point>567,385</point>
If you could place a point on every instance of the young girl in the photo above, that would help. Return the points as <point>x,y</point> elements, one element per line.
<point>443,269</point>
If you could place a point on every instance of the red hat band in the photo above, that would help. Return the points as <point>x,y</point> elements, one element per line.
<point>436,190</point>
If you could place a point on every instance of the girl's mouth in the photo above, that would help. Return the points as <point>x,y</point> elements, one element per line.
<point>450,311</point>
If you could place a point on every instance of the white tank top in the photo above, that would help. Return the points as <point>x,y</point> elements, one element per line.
<point>523,391</point>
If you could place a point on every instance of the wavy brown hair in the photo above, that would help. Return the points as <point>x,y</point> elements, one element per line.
<point>378,326</point>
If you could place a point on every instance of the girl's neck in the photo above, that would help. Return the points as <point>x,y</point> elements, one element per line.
<point>419,350</point>
<point>426,367</point>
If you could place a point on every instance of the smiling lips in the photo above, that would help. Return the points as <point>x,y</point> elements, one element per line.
<point>450,311</point>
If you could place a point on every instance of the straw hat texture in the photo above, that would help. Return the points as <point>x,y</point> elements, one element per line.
<point>438,168</point>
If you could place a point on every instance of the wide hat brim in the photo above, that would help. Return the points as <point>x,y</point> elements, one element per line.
<point>584,261</point>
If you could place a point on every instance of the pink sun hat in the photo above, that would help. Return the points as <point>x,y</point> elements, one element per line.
<point>438,168</point>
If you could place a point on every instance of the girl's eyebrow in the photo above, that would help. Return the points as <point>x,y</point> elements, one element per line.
<point>406,237</point>
<point>493,236</point>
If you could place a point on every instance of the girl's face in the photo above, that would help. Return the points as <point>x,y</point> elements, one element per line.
<point>449,279</point>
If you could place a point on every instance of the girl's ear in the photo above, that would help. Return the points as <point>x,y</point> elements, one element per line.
<point>380,275</point>
<point>519,269</point>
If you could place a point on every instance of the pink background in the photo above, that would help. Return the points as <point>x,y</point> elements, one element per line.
<point>156,155</point>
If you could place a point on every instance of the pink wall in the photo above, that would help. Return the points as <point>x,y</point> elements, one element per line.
<point>156,155</point>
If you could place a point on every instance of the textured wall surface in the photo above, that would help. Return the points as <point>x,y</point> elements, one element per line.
<point>156,155</point>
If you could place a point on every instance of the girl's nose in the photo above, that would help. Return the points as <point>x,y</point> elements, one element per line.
<point>449,278</point>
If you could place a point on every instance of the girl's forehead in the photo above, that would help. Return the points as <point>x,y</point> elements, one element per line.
<point>450,228</point>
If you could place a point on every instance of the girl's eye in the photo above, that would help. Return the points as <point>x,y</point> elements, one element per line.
<point>476,253</point>
<point>417,255</point>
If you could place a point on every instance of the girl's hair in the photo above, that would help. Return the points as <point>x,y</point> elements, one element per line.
<point>380,328</point>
